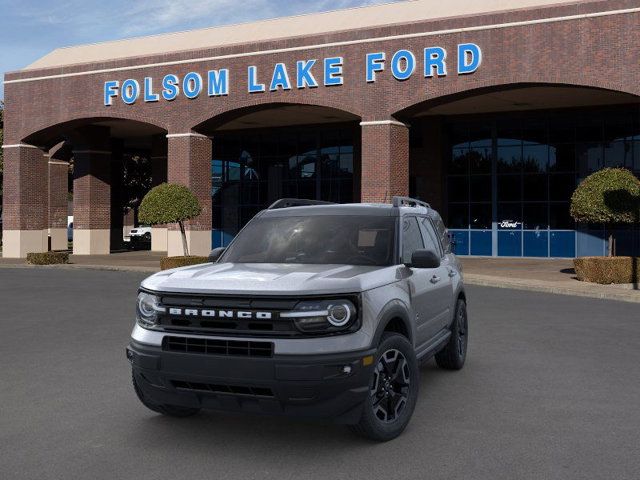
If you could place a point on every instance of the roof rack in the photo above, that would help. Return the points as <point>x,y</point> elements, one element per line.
<point>409,202</point>
<point>296,202</point>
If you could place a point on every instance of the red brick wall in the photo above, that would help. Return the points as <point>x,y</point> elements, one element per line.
<point>25,189</point>
<point>190,165</point>
<point>385,169</point>
<point>596,52</point>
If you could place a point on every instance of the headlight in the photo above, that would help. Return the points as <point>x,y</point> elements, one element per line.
<point>323,316</point>
<point>147,309</point>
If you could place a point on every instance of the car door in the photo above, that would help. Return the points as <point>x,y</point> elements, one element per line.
<point>445,273</point>
<point>425,284</point>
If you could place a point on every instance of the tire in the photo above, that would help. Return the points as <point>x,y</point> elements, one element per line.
<point>454,354</point>
<point>381,420</point>
<point>169,410</point>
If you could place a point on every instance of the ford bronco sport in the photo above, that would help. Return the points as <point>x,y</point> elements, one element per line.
<point>314,310</point>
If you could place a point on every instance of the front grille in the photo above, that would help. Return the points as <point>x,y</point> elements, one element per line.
<point>231,316</point>
<point>184,323</point>
<point>219,388</point>
<point>208,346</point>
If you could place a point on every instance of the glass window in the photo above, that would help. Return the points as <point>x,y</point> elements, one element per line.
<point>459,161</point>
<point>561,186</point>
<point>458,189</point>
<point>535,216</point>
<point>509,159</point>
<point>562,158</point>
<point>411,238</point>
<point>618,154</point>
<point>509,188</point>
<point>349,240</point>
<point>481,216</point>
<point>442,232</point>
<point>534,187</point>
<point>509,216</point>
<point>431,241</point>
<point>535,158</point>
<point>589,158</point>
<point>480,159</point>
<point>481,188</point>
<point>458,215</point>
<point>559,217</point>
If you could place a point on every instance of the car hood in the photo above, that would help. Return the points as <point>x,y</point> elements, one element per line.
<point>270,279</point>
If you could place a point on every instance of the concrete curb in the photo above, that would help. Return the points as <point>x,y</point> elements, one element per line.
<point>75,266</point>
<point>604,292</point>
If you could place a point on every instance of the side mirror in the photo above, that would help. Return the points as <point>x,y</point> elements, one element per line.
<point>424,259</point>
<point>216,253</point>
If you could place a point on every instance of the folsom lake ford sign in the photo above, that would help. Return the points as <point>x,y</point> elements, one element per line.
<point>310,73</point>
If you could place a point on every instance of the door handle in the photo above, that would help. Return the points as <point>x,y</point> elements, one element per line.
<point>452,273</point>
<point>435,279</point>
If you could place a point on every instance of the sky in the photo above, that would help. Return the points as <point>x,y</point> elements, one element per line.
<point>30,29</point>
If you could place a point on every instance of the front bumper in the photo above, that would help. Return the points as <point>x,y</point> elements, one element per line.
<point>313,386</point>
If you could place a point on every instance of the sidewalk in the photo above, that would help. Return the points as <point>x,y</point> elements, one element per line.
<point>541,275</point>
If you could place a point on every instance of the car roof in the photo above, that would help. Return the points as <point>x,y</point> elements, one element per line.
<point>356,209</point>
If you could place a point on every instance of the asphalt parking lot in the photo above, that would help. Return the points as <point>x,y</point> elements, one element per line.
<point>550,391</point>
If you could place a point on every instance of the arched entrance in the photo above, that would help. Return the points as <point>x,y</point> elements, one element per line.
<point>102,166</point>
<point>264,153</point>
<point>501,164</point>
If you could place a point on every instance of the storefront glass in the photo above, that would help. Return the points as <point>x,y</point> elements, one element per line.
<point>510,178</point>
<point>253,168</point>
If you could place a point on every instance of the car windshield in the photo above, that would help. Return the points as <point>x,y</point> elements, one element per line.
<point>337,239</point>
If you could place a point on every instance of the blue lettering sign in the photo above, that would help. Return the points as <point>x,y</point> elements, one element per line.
<point>375,63</point>
<point>192,85</point>
<point>254,86</point>
<point>403,64</point>
<point>110,92</point>
<point>170,86</point>
<point>280,78</point>
<point>218,82</point>
<point>434,58</point>
<point>149,96</point>
<point>333,71</point>
<point>469,58</point>
<point>130,91</point>
<point>304,77</point>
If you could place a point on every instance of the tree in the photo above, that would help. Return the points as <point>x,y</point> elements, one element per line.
<point>609,196</point>
<point>170,203</point>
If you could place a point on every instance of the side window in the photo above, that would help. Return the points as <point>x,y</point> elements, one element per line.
<point>430,239</point>
<point>443,233</point>
<point>411,238</point>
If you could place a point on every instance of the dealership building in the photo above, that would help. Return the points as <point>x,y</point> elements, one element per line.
<point>491,111</point>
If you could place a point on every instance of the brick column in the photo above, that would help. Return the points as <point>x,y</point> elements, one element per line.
<point>385,160</point>
<point>158,159</point>
<point>58,191</point>
<point>91,191</point>
<point>25,209</point>
<point>189,164</point>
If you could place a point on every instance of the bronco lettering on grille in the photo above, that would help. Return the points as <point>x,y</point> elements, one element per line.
<point>241,314</point>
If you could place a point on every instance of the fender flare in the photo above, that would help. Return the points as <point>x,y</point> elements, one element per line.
<point>393,309</point>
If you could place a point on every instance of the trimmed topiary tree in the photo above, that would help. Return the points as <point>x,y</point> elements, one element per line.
<point>170,203</point>
<point>609,196</point>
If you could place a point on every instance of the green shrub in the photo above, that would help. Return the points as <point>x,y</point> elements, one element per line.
<point>170,203</point>
<point>609,196</point>
<point>175,262</point>
<point>47,258</point>
<point>607,270</point>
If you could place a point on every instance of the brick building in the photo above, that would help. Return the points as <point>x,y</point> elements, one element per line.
<point>492,111</point>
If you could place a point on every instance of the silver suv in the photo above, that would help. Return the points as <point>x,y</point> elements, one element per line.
<point>314,310</point>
